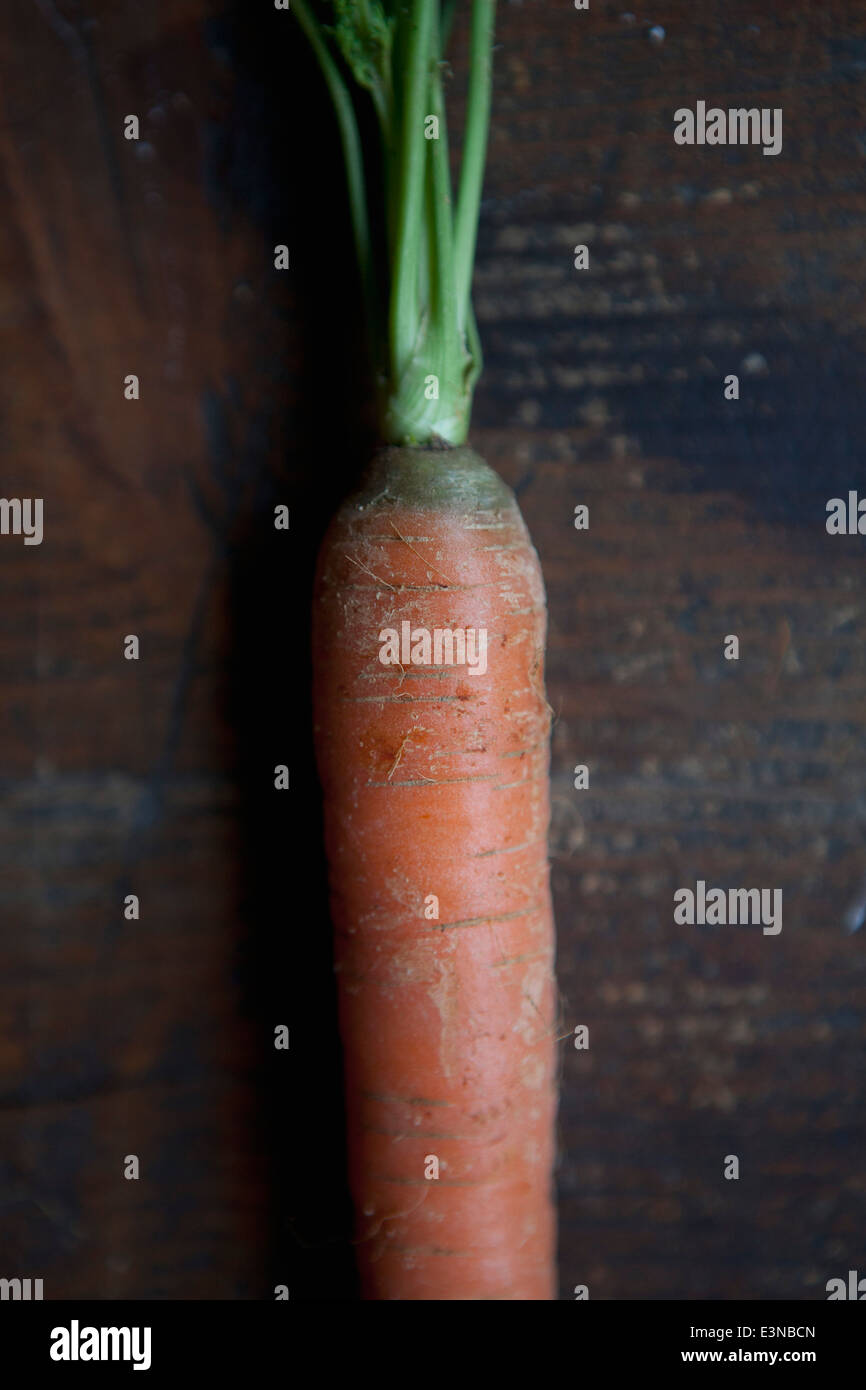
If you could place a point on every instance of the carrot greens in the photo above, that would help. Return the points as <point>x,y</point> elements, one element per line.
<point>416,285</point>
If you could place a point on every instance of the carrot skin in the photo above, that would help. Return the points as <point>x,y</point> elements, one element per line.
<point>436,795</point>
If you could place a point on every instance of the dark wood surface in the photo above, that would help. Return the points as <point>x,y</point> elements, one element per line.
<point>706,518</point>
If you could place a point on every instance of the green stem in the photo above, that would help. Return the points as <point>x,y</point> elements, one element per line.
<point>405,315</point>
<point>474,150</point>
<point>393,50</point>
<point>476,356</point>
<point>380,96</point>
<point>350,139</point>
<point>444,303</point>
<point>448,8</point>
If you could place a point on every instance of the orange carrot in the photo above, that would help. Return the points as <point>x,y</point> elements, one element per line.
<point>435,782</point>
<point>431,721</point>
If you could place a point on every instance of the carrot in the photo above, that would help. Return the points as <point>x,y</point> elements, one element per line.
<point>432,736</point>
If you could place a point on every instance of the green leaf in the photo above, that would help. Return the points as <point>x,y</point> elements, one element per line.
<point>364,34</point>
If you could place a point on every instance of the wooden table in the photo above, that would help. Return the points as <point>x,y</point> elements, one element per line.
<point>154,257</point>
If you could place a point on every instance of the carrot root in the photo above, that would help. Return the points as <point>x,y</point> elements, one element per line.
<point>436,793</point>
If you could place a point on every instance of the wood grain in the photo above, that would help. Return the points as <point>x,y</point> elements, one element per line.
<point>706,518</point>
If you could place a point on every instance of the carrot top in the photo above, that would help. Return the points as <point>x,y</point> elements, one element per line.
<point>416,284</point>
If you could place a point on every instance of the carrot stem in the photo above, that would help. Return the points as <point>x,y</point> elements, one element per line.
<point>474,151</point>
<point>410,193</point>
<point>426,355</point>
<point>350,140</point>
